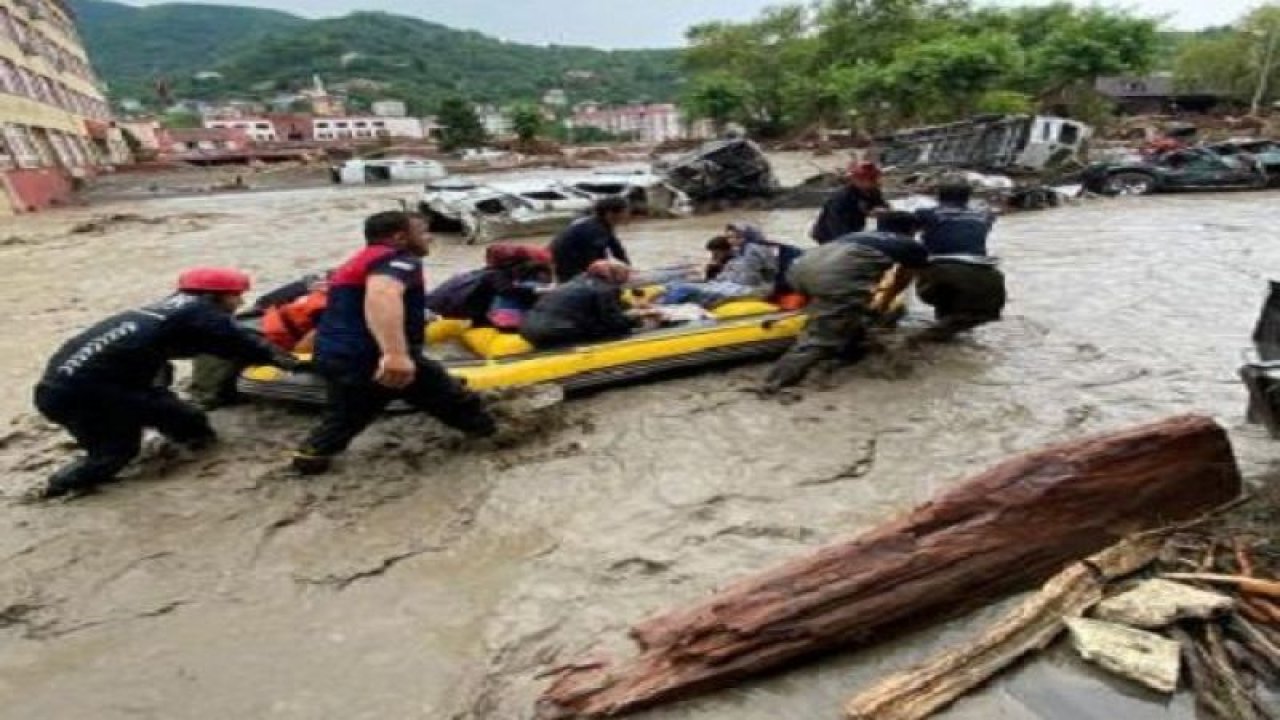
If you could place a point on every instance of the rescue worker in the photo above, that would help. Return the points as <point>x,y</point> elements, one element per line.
<point>847,211</point>
<point>963,282</point>
<point>107,384</point>
<point>840,280</point>
<point>289,324</point>
<point>587,308</point>
<point>590,239</point>
<point>369,344</point>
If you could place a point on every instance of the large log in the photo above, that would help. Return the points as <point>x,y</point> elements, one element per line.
<point>1004,530</point>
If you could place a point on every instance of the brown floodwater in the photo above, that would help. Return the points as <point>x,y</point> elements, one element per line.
<point>433,579</point>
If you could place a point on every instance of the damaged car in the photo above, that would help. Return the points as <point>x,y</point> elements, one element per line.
<point>485,213</point>
<point>647,193</point>
<point>1264,153</point>
<point>722,171</point>
<point>1188,169</point>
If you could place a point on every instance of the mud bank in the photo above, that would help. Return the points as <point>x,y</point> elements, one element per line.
<point>431,578</point>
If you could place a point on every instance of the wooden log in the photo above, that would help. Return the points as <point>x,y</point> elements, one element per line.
<point>927,688</point>
<point>1004,530</point>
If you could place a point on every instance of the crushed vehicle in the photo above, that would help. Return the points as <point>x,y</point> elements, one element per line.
<point>1264,153</point>
<point>646,192</point>
<point>1188,169</point>
<point>722,171</point>
<point>1007,143</point>
<point>363,171</point>
<point>485,213</point>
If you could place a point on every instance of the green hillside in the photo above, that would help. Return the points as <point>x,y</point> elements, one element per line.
<point>262,53</point>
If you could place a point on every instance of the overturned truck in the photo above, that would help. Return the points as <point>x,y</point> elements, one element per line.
<point>1013,144</point>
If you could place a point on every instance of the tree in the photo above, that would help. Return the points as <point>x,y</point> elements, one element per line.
<point>1242,62</point>
<point>720,98</point>
<point>462,127</point>
<point>181,120</point>
<point>528,122</point>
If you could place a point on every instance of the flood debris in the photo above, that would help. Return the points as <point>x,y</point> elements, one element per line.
<point>722,171</point>
<point>923,690</point>
<point>1141,656</point>
<point>1012,526</point>
<point>1154,604</point>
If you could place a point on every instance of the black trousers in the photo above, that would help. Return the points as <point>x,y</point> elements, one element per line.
<point>107,422</point>
<point>963,296</point>
<point>355,401</point>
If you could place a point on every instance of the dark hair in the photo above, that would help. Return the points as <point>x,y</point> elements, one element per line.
<point>610,205</point>
<point>898,222</point>
<point>719,243</point>
<point>954,192</point>
<point>383,225</point>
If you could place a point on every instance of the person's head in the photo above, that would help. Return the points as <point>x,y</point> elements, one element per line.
<point>225,287</point>
<point>613,210</point>
<point>954,190</point>
<point>398,229</point>
<point>610,271</point>
<point>898,222</point>
<point>720,247</point>
<point>740,234</point>
<point>864,176</point>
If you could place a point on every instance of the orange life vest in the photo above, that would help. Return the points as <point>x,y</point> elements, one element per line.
<point>286,325</point>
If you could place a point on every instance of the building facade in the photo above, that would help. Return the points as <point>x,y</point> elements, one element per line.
<point>258,129</point>
<point>367,128</point>
<point>55,124</point>
<point>645,123</point>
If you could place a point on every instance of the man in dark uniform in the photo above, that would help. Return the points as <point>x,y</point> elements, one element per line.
<point>369,344</point>
<point>105,385</point>
<point>963,283</point>
<point>840,280</point>
<point>847,211</point>
<point>590,239</point>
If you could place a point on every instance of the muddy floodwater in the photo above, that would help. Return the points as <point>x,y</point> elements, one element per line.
<point>433,579</point>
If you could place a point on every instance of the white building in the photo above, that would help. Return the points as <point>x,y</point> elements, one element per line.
<point>496,122</point>
<point>367,128</point>
<point>390,108</point>
<point>646,123</point>
<point>259,129</point>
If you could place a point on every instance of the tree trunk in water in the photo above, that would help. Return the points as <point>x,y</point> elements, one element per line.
<point>1002,531</point>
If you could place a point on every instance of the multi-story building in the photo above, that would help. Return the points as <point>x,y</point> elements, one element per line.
<point>258,129</point>
<point>55,124</point>
<point>646,123</point>
<point>367,128</point>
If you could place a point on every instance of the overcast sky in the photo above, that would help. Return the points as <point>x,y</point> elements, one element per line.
<point>649,23</point>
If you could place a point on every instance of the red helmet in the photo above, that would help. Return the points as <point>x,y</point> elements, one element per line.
<point>213,280</point>
<point>867,171</point>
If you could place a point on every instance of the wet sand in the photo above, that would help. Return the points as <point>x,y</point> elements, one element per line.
<point>432,579</point>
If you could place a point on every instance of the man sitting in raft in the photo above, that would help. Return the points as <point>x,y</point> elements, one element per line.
<point>499,294</point>
<point>585,309</point>
<point>749,269</point>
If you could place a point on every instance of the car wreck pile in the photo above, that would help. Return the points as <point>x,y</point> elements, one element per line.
<point>1085,515</point>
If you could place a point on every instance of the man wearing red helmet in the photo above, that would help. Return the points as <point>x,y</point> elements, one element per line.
<point>369,344</point>
<point>847,211</point>
<point>105,385</point>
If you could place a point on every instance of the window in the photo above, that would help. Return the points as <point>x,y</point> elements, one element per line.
<point>263,126</point>
<point>324,125</point>
<point>340,125</point>
<point>1070,134</point>
<point>361,123</point>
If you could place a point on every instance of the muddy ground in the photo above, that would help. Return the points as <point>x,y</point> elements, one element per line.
<point>431,578</point>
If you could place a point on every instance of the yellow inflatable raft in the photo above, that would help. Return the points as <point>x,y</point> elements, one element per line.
<point>487,359</point>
